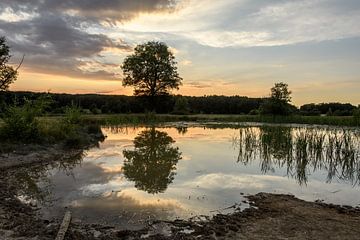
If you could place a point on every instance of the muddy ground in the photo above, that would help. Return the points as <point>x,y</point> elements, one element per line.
<point>270,216</point>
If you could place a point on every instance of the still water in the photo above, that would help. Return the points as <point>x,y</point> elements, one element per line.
<point>180,171</point>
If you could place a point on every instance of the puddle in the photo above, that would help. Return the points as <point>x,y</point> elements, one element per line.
<point>142,174</point>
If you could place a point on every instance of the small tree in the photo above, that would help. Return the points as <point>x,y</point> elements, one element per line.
<point>151,70</point>
<point>281,93</point>
<point>278,103</point>
<point>7,73</point>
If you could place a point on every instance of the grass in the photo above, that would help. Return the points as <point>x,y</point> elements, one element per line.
<point>112,119</point>
<point>73,129</point>
<point>25,124</point>
<point>302,150</point>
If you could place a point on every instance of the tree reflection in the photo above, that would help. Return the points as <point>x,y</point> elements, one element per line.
<point>302,151</point>
<point>152,162</point>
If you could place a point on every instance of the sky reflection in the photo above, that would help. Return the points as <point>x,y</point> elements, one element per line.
<point>192,173</point>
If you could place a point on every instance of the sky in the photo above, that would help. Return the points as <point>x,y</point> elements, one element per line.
<point>227,47</point>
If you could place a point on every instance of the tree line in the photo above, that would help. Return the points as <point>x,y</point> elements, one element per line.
<point>107,104</point>
<point>112,104</point>
<point>331,109</point>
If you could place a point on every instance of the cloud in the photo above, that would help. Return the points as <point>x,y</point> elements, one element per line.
<point>53,46</point>
<point>56,36</point>
<point>198,84</point>
<point>90,10</point>
<point>186,63</point>
<point>234,23</point>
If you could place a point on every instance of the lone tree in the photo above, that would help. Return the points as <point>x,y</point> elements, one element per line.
<point>279,101</point>
<point>7,73</point>
<point>281,93</point>
<point>151,70</point>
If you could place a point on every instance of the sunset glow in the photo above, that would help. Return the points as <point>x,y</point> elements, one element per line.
<point>230,47</point>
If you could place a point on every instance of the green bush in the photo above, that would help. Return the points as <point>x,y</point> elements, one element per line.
<point>73,114</point>
<point>20,122</point>
<point>56,131</point>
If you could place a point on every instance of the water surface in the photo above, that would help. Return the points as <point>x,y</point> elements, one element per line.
<point>140,174</point>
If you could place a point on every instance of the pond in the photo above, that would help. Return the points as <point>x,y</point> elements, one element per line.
<point>165,172</point>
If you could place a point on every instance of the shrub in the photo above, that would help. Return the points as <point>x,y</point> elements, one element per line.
<point>73,114</point>
<point>20,122</point>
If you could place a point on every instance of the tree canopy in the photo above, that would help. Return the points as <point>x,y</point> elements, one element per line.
<point>281,93</point>
<point>279,101</point>
<point>7,73</point>
<point>151,70</point>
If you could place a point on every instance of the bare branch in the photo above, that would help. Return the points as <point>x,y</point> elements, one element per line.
<point>21,62</point>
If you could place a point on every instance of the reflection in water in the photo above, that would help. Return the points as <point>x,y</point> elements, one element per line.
<point>181,130</point>
<point>26,179</point>
<point>152,162</point>
<point>100,186</point>
<point>120,207</point>
<point>301,151</point>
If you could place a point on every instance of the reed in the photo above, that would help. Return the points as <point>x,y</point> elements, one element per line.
<point>302,151</point>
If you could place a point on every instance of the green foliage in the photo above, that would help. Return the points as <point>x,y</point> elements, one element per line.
<point>134,119</point>
<point>280,93</point>
<point>70,134</point>
<point>111,104</point>
<point>278,103</point>
<point>301,150</point>
<point>181,106</point>
<point>310,109</point>
<point>72,114</point>
<point>274,107</point>
<point>20,122</point>
<point>72,131</point>
<point>332,108</point>
<point>7,73</point>
<point>151,70</point>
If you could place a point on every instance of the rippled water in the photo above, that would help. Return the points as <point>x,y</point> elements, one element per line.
<point>146,173</point>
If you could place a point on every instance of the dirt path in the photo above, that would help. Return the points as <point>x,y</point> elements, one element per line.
<point>286,217</point>
<point>279,217</point>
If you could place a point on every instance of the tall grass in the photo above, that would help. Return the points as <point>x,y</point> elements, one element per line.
<point>158,118</point>
<point>302,150</point>
<point>22,124</point>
